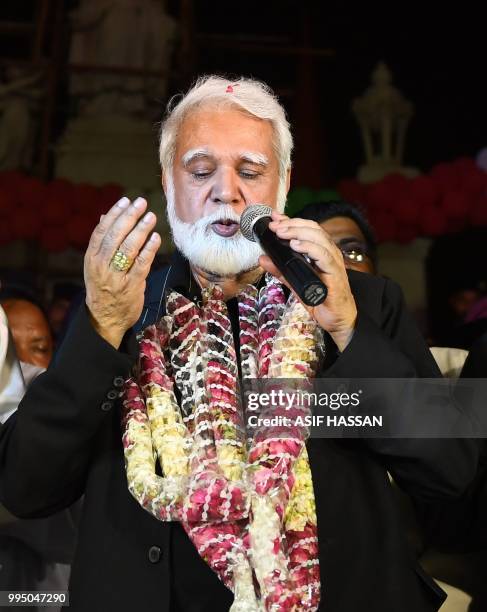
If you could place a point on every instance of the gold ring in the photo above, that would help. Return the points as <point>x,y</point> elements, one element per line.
<point>121,262</point>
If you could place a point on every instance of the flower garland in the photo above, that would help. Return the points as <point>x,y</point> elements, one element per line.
<point>247,503</point>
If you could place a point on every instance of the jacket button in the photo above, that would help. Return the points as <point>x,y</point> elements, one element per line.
<point>118,381</point>
<point>112,394</point>
<point>155,554</point>
<point>106,406</point>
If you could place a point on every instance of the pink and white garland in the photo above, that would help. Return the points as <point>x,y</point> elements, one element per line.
<point>246,502</point>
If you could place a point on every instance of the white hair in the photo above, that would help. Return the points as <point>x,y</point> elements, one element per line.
<point>250,96</point>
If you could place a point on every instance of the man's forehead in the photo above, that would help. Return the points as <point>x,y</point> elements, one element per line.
<point>342,227</point>
<point>225,131</point>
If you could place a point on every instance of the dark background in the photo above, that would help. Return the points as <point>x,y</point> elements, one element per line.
<point>436,54</point>
<point>437,61</point>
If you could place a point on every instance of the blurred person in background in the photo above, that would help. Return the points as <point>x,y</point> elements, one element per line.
<point>64,295</point>
<point>350,231</point>
<point>473,326</point>
<point>461,301</point>
<point>12,384</point>
<point>30,330</point>
<point>455,282</point>
<point>34,554</point>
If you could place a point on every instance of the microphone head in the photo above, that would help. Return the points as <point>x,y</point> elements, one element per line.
<point>249,216</point>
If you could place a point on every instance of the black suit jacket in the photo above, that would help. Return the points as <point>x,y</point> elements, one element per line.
<point>65,441</point>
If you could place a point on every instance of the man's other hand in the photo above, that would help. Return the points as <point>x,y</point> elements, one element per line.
<point>115,297</point>
<point>338,313</point>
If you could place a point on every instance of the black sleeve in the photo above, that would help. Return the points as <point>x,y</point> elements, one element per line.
<point>46,445</point>
<point>391,346</point>
<point>386,345</point>
<point>458,525</point>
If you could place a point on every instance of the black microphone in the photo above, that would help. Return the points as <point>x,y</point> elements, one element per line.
<point>296,269</point>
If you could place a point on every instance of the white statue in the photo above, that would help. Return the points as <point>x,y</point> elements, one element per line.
<point>383,115</point>
<point>19,99</point>
<point>131,34</point>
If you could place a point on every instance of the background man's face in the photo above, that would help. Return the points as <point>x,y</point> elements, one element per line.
<point>223,157</point>
<point>30,332</point>
<point>347,235</point>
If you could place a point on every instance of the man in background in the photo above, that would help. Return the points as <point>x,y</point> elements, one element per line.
<point>34,554</point>
<point>29,328</point>
<point>349,230</point>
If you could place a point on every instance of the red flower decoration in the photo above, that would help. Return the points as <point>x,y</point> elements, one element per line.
<point>474,182</point>
<point>54,239</point>
<point>86,198</point>
<point>352,191</point>
<point>424,190</point>
<point>398,183</point>
<point>6,202</point>
<point>384,224</point>
<point>432,222</point>
<point>25,223</point>
<point>446,177</point>
<point>407,210</point>
<point>381,196</point>
<point>108,195</point>
<point>478,214</point>
<point>79,229</point>
<point>32,192</point>
<point>5,230</point>
<point>56,212</point>
<point>455,204</point>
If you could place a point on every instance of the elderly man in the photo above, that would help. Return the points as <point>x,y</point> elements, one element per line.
<point>217,517</point>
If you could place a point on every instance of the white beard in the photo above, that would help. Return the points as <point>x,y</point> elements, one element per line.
<point>202,247</point>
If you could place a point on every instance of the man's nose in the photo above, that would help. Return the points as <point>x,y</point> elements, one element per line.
<point>226,188</point>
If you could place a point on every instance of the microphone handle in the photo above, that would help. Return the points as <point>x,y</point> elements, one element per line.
<point>298,272</point>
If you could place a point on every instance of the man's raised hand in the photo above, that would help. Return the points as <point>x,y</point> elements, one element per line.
<point>114,291</point>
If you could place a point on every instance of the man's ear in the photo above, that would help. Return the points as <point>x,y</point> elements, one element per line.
<point>163,181</point>
<point>288,179</point>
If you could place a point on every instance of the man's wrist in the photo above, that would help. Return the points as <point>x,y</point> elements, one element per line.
<point>113,338</point>
<point>110,334</point>
<point>343,337</point>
